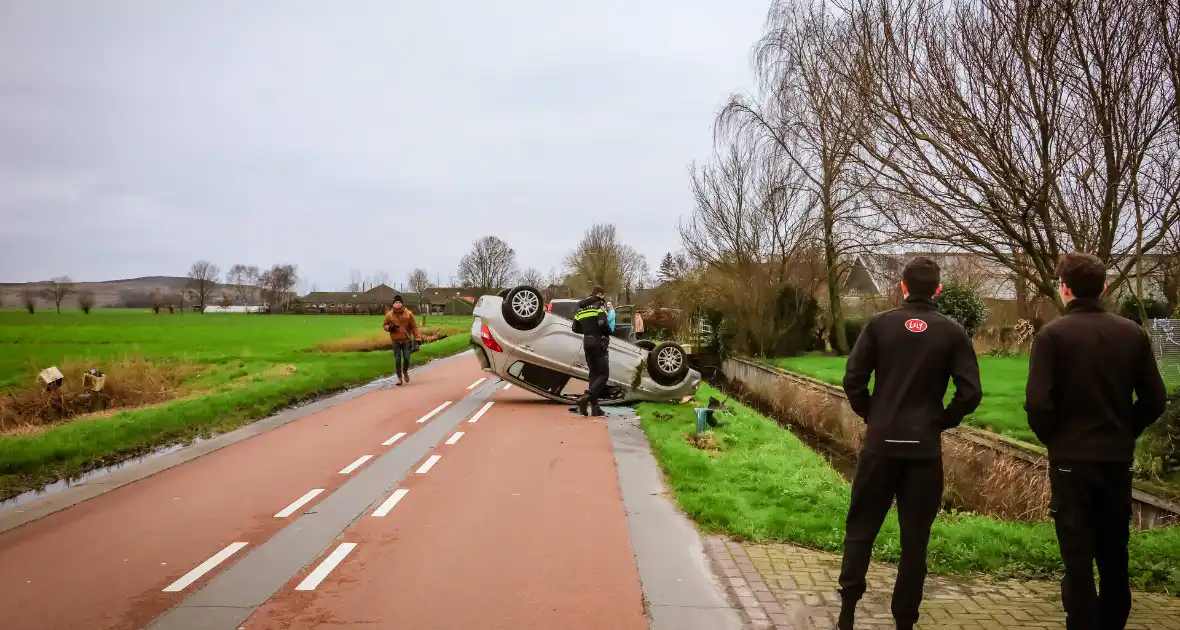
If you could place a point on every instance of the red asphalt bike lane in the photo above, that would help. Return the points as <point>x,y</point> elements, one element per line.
<point>102,564</point>
<point>519,525</point>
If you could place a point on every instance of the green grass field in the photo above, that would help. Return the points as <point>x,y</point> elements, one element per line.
<point>238,368</point>
<point>763,484</point>
<point>1003,380</point>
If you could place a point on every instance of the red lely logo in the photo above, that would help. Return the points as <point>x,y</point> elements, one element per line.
<point>915,325</point>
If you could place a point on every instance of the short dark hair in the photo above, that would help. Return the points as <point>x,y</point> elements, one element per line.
<point>597,290</point>
<point>1084,274</point>
<point>921,277</point>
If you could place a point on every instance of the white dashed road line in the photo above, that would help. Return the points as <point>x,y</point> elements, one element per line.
<point>430,462</point>
<point>435,412</point>
<point>390,502</point>
<point>393,439</point>
<point>204,567</point>
<point>455,438</point>
<point>507,385</point>
<point>314,578</point>
<point>360,461</point>
<point>476,384</point>
<point>300,502</point>
<point>479,414</point>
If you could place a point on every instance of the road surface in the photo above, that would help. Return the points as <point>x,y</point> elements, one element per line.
<point>455,502</point>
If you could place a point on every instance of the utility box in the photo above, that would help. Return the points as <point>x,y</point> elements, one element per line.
<point>94,380</point>
<point>51,378</point>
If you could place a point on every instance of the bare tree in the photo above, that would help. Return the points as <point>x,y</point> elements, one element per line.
<point>245,281</point>
<point>277,283</point>
<point>29,298</point>
<point>86,300</point>
<point>202,279</point>
<point>1019,130</point>
<point>807,115</point>
<point>356,280</point>
<point>601,259</point>
<point>419,283</point>
<point>489,266</point>
<point>157,301</point>
<point>532,277</point>
<point>60,288</point>
<point>225,301</point>
<point>750,232</point>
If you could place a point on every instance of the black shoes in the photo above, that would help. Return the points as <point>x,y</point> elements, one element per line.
<point>583,403</point>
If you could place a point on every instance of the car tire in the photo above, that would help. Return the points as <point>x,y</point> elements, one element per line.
<point>646,344</point>
<point>503,293</point>
<point>524,308</point>
<point>667,363</point>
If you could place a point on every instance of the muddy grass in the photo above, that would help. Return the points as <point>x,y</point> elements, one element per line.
<point>129,383</point>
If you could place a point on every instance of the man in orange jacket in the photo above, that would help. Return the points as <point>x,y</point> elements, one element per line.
<point>403,331</point>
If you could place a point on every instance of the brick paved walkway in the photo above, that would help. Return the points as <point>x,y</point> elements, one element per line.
<point>783,587</point>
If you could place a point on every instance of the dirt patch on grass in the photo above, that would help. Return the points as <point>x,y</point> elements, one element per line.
<point>130,382</point>
<point>375,342</point>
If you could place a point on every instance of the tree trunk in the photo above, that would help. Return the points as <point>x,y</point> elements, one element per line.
<point>839,335</point>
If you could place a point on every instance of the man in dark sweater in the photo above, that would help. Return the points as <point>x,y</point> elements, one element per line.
<point>1093,388</point>
<point>914,351</point>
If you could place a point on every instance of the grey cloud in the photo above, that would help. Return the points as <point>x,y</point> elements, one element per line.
<point>136,137</point>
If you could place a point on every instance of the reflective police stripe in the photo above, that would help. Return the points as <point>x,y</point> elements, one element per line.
<point>588,313</point>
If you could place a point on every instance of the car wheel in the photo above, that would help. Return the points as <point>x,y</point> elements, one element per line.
<point>523,308</point>
<point>646,344</point>
<point>503,293</point>
<point>667,363</point>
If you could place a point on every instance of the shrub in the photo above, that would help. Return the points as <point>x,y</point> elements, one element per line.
<point>1154,308</point>
<point>1159,450</point>
<point>962,304</point>
<point>852,328</point>
<point>795,314</point>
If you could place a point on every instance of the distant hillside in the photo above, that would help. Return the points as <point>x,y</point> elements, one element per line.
<point>127,293</point>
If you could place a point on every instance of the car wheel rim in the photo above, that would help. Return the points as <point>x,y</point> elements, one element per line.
<point>670,360</point>
<point>525,304</point>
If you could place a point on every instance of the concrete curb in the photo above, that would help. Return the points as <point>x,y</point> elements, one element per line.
<point>19,515</point>
<point>680,589</point>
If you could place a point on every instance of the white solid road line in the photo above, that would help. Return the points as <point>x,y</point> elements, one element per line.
<point>390,502</point>
<point>360,461</point>
<point>393,439</point>
<point>430,462</point>
<point>204,567</point>
<point>476,384</point>
<point>314,578</point>
<point>435,412</point>
<point>507,385</point>
<point>479,414</point>
<point>300,502</point>
<point>455,438</point>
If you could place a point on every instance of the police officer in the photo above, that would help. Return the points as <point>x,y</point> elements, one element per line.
<point>1084,368</point>
<point>591,321</point>
<point>914,351</point>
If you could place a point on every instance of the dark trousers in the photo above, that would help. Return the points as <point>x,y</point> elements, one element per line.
<point>1091,506</point>
<point>917,485</point>
<point>401,356</point>
<point>599,365</point>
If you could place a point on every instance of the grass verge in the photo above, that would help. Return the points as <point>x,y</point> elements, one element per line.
<point>28,462</point>
<point>1003,380</point>
<point>761,483</point>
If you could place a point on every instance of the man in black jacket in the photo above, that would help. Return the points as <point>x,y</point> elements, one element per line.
<point>1093,388</point>
<point>914,351</point>
<point>592,322</point>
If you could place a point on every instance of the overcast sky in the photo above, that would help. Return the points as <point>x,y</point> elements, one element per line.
<point>137,137</point>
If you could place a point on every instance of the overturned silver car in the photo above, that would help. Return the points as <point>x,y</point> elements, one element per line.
<point>516,338</point>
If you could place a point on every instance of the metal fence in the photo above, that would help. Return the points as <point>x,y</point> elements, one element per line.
<point>1165,343</point>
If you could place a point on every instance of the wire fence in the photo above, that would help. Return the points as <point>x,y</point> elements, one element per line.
<point>1165,343</point>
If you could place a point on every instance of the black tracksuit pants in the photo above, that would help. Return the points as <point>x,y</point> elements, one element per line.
<point>1091,506</point>
<point>598,364</point>
<point>917,485</point>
